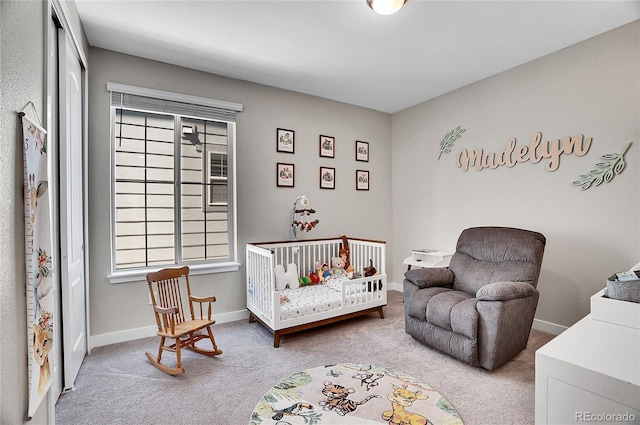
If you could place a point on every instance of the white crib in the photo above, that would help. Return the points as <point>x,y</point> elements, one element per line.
<point>355,297</point>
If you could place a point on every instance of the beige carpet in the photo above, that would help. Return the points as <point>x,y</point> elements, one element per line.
<point>117,385</point>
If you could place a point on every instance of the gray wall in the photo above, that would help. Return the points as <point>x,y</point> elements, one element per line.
<point>591,88</point>
<point>263,209</point>
<point>22,69</point>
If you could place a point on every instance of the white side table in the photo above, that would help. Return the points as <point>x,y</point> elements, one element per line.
<point>589,373</point>
<point>428,258</point>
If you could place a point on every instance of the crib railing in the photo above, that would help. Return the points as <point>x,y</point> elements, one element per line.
<point>306,253</point>
<point>364,290</point>
<point>260,280</point>
<point>362,253</point>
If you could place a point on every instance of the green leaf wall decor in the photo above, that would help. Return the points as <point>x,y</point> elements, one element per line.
<point>447,143</point>
<point>605,171</point>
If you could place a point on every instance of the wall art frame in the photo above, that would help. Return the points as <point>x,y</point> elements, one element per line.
<point>285,140</point>
<point>327,178</point>
<point>362,151</point>
<point>327,146</point>
<point>362,180</point>
<point>285,174</point>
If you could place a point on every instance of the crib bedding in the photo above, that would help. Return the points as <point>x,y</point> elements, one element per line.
<point>313,299</point>
<point>309,300</point>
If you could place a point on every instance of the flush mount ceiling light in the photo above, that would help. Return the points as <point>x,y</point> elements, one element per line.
<point>386,7</point>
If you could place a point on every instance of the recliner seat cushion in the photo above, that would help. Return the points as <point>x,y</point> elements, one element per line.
<point>416,306</point>
<point>454,311</point>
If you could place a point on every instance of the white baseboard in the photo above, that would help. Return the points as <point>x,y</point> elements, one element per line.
<point>548,327</point>
<point>392,286</point>
<point>149,331</point>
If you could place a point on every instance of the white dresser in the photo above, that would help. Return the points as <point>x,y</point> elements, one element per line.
<point>591,372</point>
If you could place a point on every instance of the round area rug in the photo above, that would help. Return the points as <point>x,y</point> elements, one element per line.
<point>350,393</point>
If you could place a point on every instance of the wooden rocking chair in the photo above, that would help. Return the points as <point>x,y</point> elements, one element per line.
<point>166,297</point>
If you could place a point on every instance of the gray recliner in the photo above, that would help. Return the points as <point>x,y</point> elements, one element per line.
<point>480,309</point>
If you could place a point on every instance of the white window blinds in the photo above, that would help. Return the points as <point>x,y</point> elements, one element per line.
<point>172,103</point>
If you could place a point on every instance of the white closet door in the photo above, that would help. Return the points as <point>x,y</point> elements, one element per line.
<point>72,264</point>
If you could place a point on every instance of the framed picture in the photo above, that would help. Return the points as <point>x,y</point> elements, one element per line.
<point>362,180</point>
<point>327,178</point>
<point>285,176</point>
<point>327,146</point>
<point>285,140</point>
<point>362,151</point>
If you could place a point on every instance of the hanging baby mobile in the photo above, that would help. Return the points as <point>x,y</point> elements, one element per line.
<point>301,217</point>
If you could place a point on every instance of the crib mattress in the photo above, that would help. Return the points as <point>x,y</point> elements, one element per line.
<point>312,299</point>
<point>309,300</point>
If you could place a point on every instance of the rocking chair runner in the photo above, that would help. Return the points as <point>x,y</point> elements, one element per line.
<point>166,297</point>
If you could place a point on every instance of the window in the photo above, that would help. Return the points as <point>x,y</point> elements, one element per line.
<point>173,182</point>
<point>217,179</point>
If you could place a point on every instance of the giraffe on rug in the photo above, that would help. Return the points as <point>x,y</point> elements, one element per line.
<point>401,398</point>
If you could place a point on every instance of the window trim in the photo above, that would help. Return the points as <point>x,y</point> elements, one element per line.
<point>228,109</point>
<point>135,275</point>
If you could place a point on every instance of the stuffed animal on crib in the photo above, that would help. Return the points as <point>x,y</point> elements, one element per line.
<point>324,272</point>
<point>337,269</point>
<point>315,278</point>
<point>288,278</point>
<point>305,281</point>
<point>370,271</point>
<point>320,271</point>
<point>344,254</point>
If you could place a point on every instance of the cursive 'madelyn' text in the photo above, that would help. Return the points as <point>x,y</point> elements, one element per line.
<point>536,151</point>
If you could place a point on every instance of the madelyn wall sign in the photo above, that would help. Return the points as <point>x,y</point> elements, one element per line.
<point>536,151</point>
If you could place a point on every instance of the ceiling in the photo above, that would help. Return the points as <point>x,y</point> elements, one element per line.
<point>342,50</point>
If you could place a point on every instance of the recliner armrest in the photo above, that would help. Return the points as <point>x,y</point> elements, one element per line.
<point>429,277</point>
<point>505,291</point>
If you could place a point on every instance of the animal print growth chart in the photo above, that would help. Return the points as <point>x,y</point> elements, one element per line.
<point>349,393</point>
<point>39,262</point>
